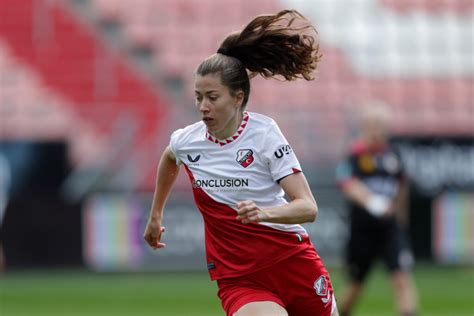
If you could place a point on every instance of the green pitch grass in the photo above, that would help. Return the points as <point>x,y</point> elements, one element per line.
<point>443,292</point>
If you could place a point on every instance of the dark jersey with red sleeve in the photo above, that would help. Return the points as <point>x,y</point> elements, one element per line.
<point>378,167</point>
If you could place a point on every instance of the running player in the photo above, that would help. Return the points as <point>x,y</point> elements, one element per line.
<point>240,166</point>
<point>373,181</point>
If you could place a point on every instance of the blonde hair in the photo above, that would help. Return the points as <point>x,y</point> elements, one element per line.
<point>375,110</point>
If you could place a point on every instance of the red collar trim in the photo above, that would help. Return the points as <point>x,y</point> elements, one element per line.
<point>230,139</point>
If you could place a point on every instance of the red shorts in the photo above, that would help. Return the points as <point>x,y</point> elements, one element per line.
<point>300,284</point>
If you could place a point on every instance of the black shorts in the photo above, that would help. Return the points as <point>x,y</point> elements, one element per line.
<point>386,241</point>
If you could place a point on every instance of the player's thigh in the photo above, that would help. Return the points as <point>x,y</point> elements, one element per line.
<point>266,308</point>
<point>244,295</point>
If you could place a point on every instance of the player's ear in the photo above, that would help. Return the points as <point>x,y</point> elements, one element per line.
<point>239,98</point>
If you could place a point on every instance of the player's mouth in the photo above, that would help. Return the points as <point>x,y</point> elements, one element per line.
<point>207,120</point>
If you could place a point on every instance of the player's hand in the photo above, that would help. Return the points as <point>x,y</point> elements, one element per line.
<point>249,212</point>
<point>378,205</point>
<point>153,233</point>
<point>390,211</point>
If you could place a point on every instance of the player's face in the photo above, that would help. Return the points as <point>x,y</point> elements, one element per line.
<point>376,130</point>
<point>219,109</point>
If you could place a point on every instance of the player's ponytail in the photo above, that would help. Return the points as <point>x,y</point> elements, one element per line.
<point>273,45</point>
<point>282,45</point>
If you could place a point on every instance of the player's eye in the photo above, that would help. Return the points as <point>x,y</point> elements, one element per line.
<point>213,98</point>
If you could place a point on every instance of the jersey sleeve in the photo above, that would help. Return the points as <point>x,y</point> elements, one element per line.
<point>278,154</point>
<point>175,144</point>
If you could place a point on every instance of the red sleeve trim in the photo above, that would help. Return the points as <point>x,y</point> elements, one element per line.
<point>295,170</point>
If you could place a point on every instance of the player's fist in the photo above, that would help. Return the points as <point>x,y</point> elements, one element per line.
<point>153,233</point>
<point>378,205</point>
<point>249,212</point>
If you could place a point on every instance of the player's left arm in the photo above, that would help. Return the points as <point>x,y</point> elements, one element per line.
<point>302,207</point>
<point>400,207</point>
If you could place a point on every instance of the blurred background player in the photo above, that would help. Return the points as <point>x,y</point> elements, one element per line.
<point>372,179</point>
<point>240,166</point>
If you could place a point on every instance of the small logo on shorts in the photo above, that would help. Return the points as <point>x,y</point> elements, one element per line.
<point>321,286</point>
<point>211,265</point>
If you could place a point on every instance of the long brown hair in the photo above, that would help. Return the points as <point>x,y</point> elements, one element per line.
<point>270,45</point>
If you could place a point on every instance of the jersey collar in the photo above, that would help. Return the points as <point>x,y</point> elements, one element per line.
<point>230,139</point>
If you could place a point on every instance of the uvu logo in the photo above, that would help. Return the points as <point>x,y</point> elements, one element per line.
<point>283,150</point>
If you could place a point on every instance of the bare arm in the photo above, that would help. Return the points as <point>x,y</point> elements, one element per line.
<point>302,207</point>
<point>357,192</point>
<point>400,204</point>
<point>168,171</point>
<point>360,194</point>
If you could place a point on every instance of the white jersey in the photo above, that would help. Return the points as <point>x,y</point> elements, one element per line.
<point>246,166</point>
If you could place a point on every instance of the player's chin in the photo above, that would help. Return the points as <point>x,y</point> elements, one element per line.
<point>210,124</point>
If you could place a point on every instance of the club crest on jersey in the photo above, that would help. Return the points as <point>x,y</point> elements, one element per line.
<point>367,163</point>
<point>245,157</point>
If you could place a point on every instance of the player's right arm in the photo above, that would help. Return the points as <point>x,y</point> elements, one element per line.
<point>360,194</point>
<point>166,176</point>
<point>357,192</point>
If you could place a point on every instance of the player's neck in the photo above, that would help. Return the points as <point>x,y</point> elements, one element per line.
<point>231,128</point>
<point>376,145</point>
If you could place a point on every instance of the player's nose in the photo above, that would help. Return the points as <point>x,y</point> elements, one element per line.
<point>204,106</point>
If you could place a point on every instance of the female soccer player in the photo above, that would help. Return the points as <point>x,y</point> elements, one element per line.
<point>240,166</point>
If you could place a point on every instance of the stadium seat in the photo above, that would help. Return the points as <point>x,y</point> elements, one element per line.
<point>181,33</point>
<point>108,10</point>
